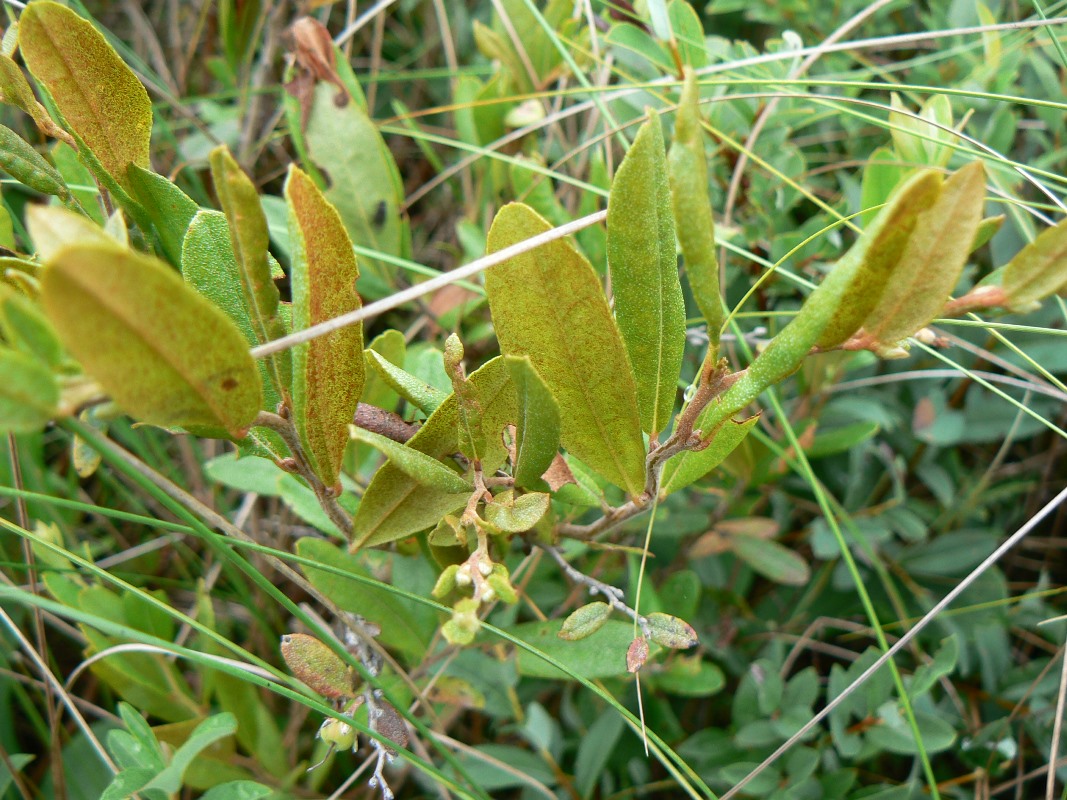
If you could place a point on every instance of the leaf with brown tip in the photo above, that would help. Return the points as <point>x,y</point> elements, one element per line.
<point>327,371</point>
<point>98,95</point>
<point>164,353</point>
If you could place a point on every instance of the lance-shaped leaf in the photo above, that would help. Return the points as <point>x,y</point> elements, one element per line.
<point>644,274</point>
<point>165,354</point>
<point>472,442</point>
<point>877,254</point>
<point>29,167</point>
<point>420,394</point>
<point>1038,270</point>
<point>692,209</point>
<point>395,505</point>
<point>423,469</point>
<point>170,209</point>
<point>328,371</point>
<point>28,393</point>
<point>692,465</point>
<point>537,430</point>
<point>390,346</point>
<point>547,304</point>
<point>250,239</point>
<point>931,264</point>
<point>98,95</point>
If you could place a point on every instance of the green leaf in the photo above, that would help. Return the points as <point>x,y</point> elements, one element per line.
<point>395,505</point>
<point>328,371</point>
<point>364,184</point>
<point>1038,270</point>
<point>29,167</point>
<point>390,346</point>
<point>165,354</point>
<point>943,663</point>
<point>881,175</point>
<point>373,602</point>
<point>691,677</point>
<point>601,655</point>
<point>671,631</point>
<point>771,560</point>
<point>170,209</point>
<point>98,95</point>
<point>423,469</point>
<point>512,514</point>
<point>932,261</point>
<point>692,209</point>
<point>584,621</point>
<point>237,790</point>
<point>25,328</point>
<point>644,274</point>
<point>206,733</point>
<point>547,304</point>
<point>688,32</point>
<point>250,239</point>
<point>537,430</point>
<point>29,395</point>
<point>878,255</point>
<point>692,465</point>
<point>420,394</point>
<point>840,439</point>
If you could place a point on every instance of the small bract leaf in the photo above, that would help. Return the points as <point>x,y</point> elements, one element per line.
<point>537,431</point>
<point>328,371</point>
<point>987,229</point>
<point>585,621</point>
<point>472,441</point>
<point>636,654</point>
<point>1038,270</point>
<point>170,209</point>
<point>548,305</point>
<point>644,274</point>
<point>512,514</point>
<point>424,469</point>
<point>29,394</point>
<point>165,354</point>
<point>29,167</point>
<point>317,665</point>
<point>446,582</point>
<point>98,95</point>
<point>692,465</point>
<point>419,393</point>
<point>932,261</point>
<point>671,631</point>
<point>692,209</point>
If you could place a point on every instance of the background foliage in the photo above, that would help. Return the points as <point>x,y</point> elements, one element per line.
<point>142,645</point>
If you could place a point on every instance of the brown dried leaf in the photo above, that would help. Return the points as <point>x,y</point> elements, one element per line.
<point>558,474</point>
<point>636,654</point>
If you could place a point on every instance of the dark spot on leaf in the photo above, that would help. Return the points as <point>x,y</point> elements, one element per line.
<point>379,214</point>
<point>229,384</point>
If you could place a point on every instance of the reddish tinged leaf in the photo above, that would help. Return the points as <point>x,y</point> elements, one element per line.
<point>98,95</point>
<point>328,371</point>
<point>636,654</point>
<point>317,665</point>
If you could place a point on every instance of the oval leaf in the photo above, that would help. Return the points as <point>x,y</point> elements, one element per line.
<point>328,371</point>
<point>98,95</point>
<point>165,354</point>
<point>644,274</point>
<point>671,631</point>
<point>424,469</point>
<point>317,665</point>
<point>512,514</point>
<point>28,393</point>
<point>772,560</point>
<point>585,621</point>
<point>547,304</point>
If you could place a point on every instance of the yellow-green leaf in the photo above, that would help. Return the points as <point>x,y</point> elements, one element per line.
<point>878,253</point>
<point>1038,270</point>
<point>28,393</point>
<point>692,209</point>
<point>328,371</point>
<point>692,465</point>
<point>98,95</point>
<point>511,514</point>
<point>547,304</point>
<point>318,666</point>
<point>418,466</point>
<point>537,430</point>
<point>25,328</point>
<point>15,89</point>
<point>671,631</point>
<point>932,261</point>
<point>644,274</point>
<point>395,505</point>
<point>166,355</point>
<point>584,621</point>
<point>53,228</point>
